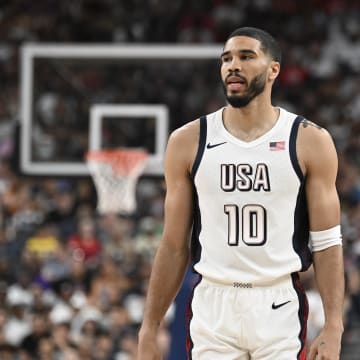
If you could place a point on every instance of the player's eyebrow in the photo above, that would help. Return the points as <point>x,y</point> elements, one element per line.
<point>241,51</point>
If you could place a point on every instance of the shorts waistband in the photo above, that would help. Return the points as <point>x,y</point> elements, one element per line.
<point>283,282</point>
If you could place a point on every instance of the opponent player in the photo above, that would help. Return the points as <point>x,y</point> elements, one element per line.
<point>256,184</point>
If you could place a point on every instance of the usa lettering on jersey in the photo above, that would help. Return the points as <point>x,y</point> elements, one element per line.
<point>245,177</point>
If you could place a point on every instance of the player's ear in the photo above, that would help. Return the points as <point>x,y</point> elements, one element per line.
<point>274,70</point>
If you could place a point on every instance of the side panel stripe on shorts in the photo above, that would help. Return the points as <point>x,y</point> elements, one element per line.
<point>303,315</point>
<point>189,315</point>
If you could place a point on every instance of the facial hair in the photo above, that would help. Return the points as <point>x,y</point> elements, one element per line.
<point>255,88</point>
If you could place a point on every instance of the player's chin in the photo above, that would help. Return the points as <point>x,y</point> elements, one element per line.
<point>236,95</point>
<point>233,93</point>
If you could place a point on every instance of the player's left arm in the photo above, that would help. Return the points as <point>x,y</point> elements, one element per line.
<point>319,160</point>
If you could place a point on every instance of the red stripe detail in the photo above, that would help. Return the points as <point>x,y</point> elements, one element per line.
<point>303,316</point>
<point>188,339</point>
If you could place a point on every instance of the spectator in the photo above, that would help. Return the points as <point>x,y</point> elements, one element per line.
<point>41,219</point>
<point>108,285</point>
<point>39,328</point>
<point>84,244</point>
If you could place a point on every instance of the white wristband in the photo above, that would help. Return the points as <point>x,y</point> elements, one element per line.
<point>320,240</point>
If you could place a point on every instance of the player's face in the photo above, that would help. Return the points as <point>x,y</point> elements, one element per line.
<point>244,70</point>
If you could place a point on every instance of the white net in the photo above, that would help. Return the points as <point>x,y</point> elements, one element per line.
<point>115,174</point>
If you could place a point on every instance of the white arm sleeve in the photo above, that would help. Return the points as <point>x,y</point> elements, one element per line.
<point>320,240</point>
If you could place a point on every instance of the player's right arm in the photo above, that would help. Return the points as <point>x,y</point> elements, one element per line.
<point>172,256</point>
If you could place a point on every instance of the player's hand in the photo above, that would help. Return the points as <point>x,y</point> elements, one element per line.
<point>327,345</point>
<point>148,348</point>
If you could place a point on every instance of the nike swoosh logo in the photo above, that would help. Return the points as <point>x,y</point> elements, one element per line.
<point>210,146</point>
<point>276,306</point>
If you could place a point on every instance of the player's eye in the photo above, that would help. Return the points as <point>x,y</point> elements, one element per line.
<point>245,57</point>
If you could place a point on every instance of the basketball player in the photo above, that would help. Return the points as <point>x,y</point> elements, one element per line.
<point>256,184</point>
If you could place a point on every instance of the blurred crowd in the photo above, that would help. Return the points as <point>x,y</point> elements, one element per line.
<point>72,282</point>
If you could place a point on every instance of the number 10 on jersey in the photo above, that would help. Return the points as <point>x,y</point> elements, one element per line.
<point>247,223</point>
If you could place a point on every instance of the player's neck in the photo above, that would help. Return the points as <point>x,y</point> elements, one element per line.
<point>252,121</point>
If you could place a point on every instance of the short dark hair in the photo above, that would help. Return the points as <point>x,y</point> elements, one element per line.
<point>268,44</point>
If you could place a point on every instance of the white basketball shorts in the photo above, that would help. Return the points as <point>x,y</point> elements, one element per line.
<point>241,322</point>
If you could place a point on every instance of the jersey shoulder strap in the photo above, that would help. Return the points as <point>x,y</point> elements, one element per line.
<point>292,146</point>
<point>201,146</point>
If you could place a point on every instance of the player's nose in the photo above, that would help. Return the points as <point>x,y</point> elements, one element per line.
<point>235,65</point>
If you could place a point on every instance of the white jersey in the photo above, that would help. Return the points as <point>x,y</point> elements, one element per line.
<point>251,222</point>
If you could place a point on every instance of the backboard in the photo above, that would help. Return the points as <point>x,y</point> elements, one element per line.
<point>130,121</point>
<point>67,90</point>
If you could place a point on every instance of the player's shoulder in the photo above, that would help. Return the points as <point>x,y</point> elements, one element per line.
<point>186,134</point>
<point>191,130</point>
<point>315,146</point>
<point>188,129</point>
<point>182,147</point>
<point>313,134</point>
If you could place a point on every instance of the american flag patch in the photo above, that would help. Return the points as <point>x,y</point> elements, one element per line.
<point>277,145</point>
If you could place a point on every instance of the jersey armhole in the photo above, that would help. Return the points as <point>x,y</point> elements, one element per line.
<point>292,147</point>
<point>201,147</point>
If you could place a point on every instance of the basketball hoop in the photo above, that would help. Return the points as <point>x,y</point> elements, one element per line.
<point>115,174</point>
